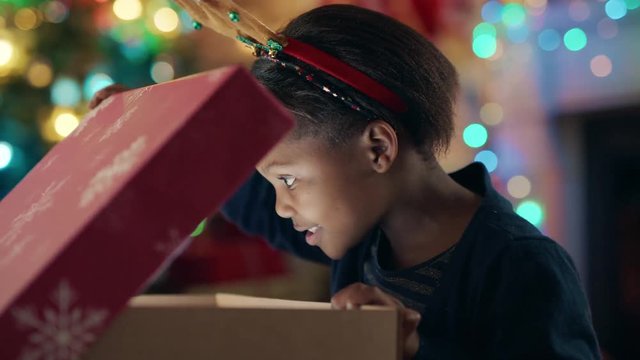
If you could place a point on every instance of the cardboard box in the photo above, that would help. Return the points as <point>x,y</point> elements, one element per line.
<point>238,327</point>
<point>88,227</point>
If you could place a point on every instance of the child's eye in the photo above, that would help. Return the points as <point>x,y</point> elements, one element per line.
<point>288,181</point>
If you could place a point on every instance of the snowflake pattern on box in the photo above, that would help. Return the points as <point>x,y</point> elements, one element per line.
<point>62,331</point>
<point>105,177</point>
<point>117,125</point>
<point>91,115</point>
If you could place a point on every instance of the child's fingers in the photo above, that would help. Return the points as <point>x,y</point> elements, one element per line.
<point>358,294</point>
<point>103,94</point>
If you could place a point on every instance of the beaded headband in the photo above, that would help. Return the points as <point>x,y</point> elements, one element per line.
<point>229,19</point>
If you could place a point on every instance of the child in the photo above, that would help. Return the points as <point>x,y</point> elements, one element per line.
<point>357,186</point>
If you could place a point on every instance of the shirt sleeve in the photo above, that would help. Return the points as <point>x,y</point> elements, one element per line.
<point>535,306</point>
<point>252,209</point>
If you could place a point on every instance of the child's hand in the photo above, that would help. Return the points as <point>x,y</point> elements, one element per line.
<point>358,294</point>
<point>103,94</point>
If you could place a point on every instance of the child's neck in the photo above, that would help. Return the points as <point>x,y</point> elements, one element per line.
<point>429,215</point>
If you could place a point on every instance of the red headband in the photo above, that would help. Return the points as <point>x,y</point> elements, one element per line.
<point>345,73</point>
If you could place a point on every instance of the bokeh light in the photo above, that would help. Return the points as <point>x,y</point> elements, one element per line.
<point>519,187</point>
<point>6,154</point>
<point>127,9</point>
<point>39,75</point>
<point>94,83</point>
<point>488,158</point>
<point>531,211</point>
<point>6,52</point>
<point>475,135</point>
<point>166,20</point>
<point>55,12</point>
<point>549,40</point>
<point>607,28</point>
<point>491,113</point>
<point>615,9</point>
<point>632,4</point>
<point>484,46</point>
<point>601,66</point>
<point>514,15</point>
<point>518,34</point>
<point>579,10</point>
<point>162,71</point>
<point>492,11</point>
<point>65,123</point>
<point>26,19</point>
<point>575,39</point>
<point>65,92</point>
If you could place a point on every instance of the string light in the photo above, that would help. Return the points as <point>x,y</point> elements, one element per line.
<point>6,154</point>
<point>6,52</point>
<point>65,123</point>
<point>475,135</point>
<point>615,9</point>
<point>519,186</point>
<point>575,39</point>
<point>127,9</point>
<point>491,113</point>
<point>26,19</point>
<point>514,15</point>
<point>601,66</point>
<point>94,83</point>
<point>65,92</point>
<point>162,71</point>
<point>488,158</point>
<point>166,20</point>
<point>532,211</point>
<point>39,75</point>
<point>579,10</point>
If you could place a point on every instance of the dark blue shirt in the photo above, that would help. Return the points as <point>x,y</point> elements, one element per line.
<point>505,292</point>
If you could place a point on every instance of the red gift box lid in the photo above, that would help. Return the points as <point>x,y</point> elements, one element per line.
<point>102,212</point>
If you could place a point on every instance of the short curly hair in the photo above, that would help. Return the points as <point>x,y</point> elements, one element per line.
<point>387,51</point>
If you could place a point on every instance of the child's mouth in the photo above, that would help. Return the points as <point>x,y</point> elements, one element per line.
<point>312,235</point>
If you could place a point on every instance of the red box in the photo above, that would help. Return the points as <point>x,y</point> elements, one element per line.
<point>88,227</point>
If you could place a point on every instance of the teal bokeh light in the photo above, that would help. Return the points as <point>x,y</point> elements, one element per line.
<point>531,211</point>
<point>6,154</point>
<point>484,46</point>
<point>65,92</point>
<point>94,83</point>
<point>514,15</point>
<point>575,39</point>
<point>475,135</point>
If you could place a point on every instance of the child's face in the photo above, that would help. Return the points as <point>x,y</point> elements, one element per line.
<point>332,191</point>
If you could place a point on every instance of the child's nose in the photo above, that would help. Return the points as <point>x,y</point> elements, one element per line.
<point>283,207</point>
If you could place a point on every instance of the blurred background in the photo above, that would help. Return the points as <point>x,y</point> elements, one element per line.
<point>550,103</point>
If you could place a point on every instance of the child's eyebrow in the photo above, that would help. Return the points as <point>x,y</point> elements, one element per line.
<point>274,163</point>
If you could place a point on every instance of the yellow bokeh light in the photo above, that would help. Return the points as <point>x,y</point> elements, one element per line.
<point>127,9</point>
<point>26,19</point>
<point>166,20</point>
<point>6,52</point>
<point>65,123</point>
<point>40,75</point>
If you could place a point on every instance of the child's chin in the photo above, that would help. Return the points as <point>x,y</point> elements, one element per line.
<point>334,254</point>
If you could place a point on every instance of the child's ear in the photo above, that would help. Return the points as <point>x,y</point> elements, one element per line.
<point>381,145</point>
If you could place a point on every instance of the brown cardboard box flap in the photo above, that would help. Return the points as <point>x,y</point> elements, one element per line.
<point>225,326</point>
